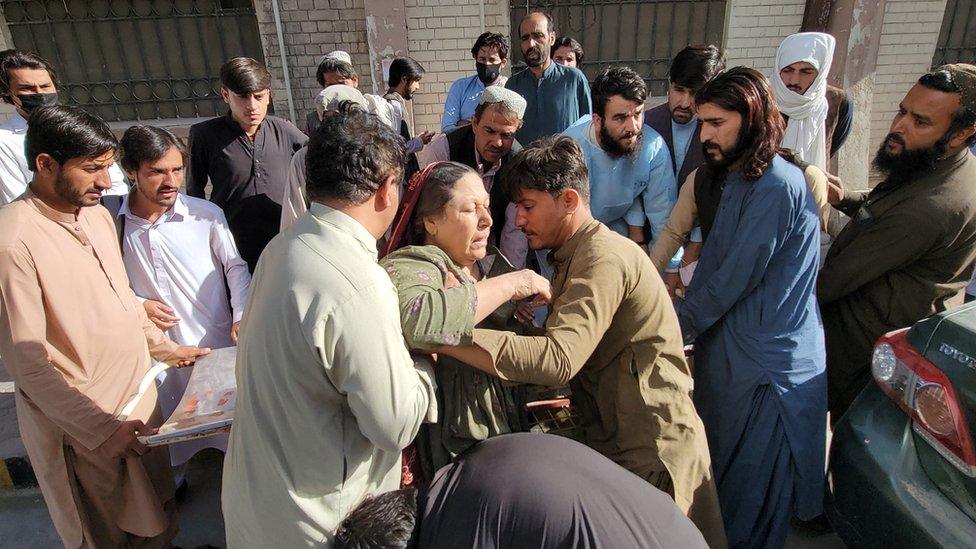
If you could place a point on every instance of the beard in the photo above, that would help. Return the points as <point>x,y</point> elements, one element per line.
<point>408,95</point>
<point>70,194</point>
<point>613,147</point>
<point>909,163</point>
<point>540,59</point>
<point>727,159</point>
<point>682,113</point>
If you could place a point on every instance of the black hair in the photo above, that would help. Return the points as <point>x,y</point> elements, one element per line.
<point>338,66</point>
<point>140,144</point>
<point>491,40</point>
<point>618,80</point>
<point>244,76</point>
<point>66,133</point>
<point>17,59</point>
<point>404,68</point>
<point>570,42</point>
<point>437,192</point>
<point>964,118</point>
<point>551,164</point>
<point>387,520</point>
<point>350,155</point>
<point>695,65</point>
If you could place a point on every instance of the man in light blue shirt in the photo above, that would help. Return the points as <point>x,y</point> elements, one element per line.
<point>631,176</point>
<point>556,95</point>
<point>490,52</point>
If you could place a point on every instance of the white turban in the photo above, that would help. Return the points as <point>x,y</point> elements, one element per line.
<point>805,133</point>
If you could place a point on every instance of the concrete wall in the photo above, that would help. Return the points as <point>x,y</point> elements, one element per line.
<point>908,40</point>
<point>440,34</point>
<point>755,28</point>
<point>311,28</point>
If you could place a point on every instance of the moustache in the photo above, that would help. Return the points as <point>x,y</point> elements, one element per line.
<point>894,137</point>
<point>533,50</point>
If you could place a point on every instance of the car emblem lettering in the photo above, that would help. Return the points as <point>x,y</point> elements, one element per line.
<point>957,355</point>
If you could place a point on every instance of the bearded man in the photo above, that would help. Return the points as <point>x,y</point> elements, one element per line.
<point>908,250</point>
<point>751,311</point>
<point>630,170</point>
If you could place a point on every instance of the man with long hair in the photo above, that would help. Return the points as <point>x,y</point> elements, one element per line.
<point>909,248</point>
<point>751,311</point>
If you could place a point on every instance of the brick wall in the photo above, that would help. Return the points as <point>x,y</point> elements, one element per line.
<point>755,28</point>
<point>311,29</point>
<point>440,34</point>
<point>908,39</point>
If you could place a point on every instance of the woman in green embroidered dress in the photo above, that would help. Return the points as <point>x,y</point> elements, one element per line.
<point>447,286</point>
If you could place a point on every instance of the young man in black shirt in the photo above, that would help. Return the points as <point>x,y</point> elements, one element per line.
<point>245,154</point>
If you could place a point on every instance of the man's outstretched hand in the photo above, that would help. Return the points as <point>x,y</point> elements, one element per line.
<point>186,356</point>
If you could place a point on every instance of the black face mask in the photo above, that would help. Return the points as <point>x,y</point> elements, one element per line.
<point>32,101</point>
<point>488,73</point>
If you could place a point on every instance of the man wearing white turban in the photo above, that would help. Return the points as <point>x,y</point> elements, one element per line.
<point>818,116</point>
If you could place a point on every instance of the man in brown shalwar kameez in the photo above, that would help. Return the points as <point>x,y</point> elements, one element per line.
<point>612,334</point>
<point>77,344</point>
<point>908,250</point>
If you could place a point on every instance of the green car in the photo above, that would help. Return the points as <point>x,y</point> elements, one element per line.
<point>902,461</point>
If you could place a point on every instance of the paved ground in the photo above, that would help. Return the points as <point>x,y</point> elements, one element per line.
<point>24,521</point>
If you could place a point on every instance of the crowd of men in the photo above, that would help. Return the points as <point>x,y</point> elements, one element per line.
<point>696,222</point>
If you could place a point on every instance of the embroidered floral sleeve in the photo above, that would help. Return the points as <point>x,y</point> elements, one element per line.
<point>437,301</point>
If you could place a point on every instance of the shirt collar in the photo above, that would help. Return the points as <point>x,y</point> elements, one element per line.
<point>490,171</point>
<point>229,118</point>
<point>49,212</point>
<point>346,224</point>
<point>180,208</point>
<point>16,123</point>
<point>568,249</point>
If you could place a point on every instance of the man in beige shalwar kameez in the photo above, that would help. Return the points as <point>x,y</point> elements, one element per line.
<point>612,334</point>
<point>74,339</point>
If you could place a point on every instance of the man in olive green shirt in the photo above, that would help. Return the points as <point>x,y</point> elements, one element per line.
<point>612,334</point>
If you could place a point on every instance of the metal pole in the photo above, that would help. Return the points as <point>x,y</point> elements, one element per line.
<point>284,61</point>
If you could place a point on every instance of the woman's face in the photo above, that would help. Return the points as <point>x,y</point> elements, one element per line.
<point>461,229</point>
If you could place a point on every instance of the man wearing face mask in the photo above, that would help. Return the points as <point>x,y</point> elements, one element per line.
<point>630,170</point>
<point>557,96</point>
<point>28,81</point>
<point>490,53</point>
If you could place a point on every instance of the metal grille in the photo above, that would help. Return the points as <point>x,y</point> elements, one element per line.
<point>137,59</point>
<point>642,34</point>
<point>957,40</point>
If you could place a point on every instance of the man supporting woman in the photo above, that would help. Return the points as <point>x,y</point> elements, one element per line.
<point>448,282</point>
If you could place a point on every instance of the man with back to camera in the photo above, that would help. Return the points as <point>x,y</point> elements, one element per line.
<point>328,395</point>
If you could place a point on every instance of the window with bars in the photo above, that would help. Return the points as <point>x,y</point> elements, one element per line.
<point>642,34</point>
<point>137,59</point>
<point>957,40</point>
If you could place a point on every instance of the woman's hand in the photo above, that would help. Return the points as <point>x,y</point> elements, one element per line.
<point>526,284</point>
